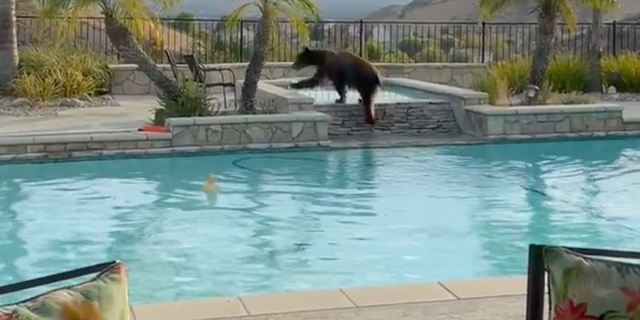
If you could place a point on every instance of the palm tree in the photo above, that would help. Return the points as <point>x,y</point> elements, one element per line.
<point>295,12</point>
<point>548,13</point>
<point>8,42</point>
<point>596,39</point>
<point>122,18</point>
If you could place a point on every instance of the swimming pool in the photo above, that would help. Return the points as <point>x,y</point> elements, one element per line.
<point>388,93</point>
<point>317,219</point>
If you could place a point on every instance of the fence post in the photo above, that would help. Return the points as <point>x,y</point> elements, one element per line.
<point>361,37</point>
<point>614,35</point>
<point>241,40</point>
<point>482,44</point>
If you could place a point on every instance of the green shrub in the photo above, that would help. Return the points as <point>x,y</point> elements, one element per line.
<point>570,98</point>
<point>412,45</point>
<point>430,54</point>
<point>373,51</point>
<point>396,57</point>
<point>448,43</point>
<point>47,73</point>
<point>514,72</point>
<point>192,103</point>
<point>56,83</point>
<point>567,73</point>
<point>461,56</point>
<point>622,72</point>
<point>495,86</point>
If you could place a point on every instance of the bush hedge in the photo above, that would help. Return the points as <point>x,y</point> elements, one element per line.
<point>48,73</point>
<point>565,74</point>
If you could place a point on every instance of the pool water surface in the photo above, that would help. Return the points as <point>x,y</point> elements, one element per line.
<point>387,94</point>
<point>316,219</point>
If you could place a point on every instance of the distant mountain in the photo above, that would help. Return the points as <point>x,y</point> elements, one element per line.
<point>329,9</point>
<point>467,10</point>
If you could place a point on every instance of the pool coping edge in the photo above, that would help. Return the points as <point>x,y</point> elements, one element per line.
<point>336,299</point>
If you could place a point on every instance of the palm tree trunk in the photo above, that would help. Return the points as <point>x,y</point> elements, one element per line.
<point>595,50</point>
<point>8,42</point>
<point>131,52</point>
<point>254,69</point>
<point>547,17</point>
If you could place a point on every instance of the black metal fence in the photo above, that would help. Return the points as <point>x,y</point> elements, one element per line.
<point>381,41</point>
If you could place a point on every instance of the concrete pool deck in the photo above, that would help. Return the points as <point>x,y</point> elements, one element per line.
<point>133,113</point>
<point>475,299</point>
<point>109,132</point>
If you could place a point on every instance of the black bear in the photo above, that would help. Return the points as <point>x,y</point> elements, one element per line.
<point>344,69</point>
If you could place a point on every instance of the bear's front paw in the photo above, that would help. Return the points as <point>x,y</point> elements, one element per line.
<point>341,100</point>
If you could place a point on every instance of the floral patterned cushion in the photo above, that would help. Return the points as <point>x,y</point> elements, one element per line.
<point>103,298</point>
<point>588,288</point>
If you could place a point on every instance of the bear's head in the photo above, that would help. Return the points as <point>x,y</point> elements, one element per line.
<point>309,57</point>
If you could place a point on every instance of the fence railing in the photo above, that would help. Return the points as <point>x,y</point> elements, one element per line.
<point>380,41</point>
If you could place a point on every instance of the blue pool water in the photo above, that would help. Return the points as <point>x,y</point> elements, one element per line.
<point>387,94</point>
<point>317,219</point>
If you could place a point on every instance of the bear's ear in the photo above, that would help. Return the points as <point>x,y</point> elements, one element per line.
<point>306,49</point>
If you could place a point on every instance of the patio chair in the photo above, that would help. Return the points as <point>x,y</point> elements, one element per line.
<point>173,64</point>
<point>538,268</point>
<point>58,277</point>
<point>199,72</point>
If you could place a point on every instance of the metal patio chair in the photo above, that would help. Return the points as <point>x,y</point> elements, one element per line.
<point>173,64</point>
<point>200,71</point>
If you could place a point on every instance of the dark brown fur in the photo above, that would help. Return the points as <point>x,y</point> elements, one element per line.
<point>345,70</point>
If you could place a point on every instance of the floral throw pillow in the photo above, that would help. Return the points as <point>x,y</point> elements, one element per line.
<point>589,288</point>
<point>103,298</point>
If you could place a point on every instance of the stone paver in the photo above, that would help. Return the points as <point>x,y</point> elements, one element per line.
<point>497,308</point>
<point>491,298</point>
<point>295,127</point>
<point>503,308</point>
<point>133,112</point>
<point>491,121</point>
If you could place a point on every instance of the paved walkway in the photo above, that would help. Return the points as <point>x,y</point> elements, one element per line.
<point>503,308</point>
<point>134,111</point>
<point>495,308</point>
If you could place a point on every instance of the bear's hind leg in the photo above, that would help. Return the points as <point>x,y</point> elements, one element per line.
<point>340,84</point>
<point>366,99</point>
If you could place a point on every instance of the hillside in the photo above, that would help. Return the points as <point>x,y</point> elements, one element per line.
<point>329,9</point>
<point>466,10</point>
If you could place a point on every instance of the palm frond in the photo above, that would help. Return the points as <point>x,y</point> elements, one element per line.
<point>234,17</point>
<point>566,13</point>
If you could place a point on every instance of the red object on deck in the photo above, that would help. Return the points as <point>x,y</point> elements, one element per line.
<point>154,128</point>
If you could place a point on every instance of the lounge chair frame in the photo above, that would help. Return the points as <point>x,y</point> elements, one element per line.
<point>200,71</point>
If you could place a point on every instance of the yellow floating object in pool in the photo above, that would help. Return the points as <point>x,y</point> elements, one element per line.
<point>210,185</point>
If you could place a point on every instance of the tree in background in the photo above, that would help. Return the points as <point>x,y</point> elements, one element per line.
<point>8,42</point>
<point>596,40</point>
<point>295,11</point>
<point>124,20</point>
<point>548,13</point>
<point>184,21</point>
